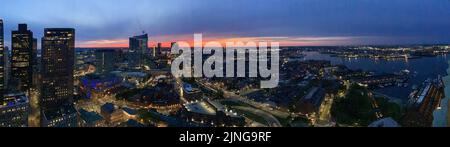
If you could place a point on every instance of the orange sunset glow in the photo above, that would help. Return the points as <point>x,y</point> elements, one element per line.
<point>166,41</point>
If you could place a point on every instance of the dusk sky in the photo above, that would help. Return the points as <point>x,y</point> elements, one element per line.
<point>109,23</point>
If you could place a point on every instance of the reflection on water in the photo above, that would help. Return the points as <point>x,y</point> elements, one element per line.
<point>426,67</point>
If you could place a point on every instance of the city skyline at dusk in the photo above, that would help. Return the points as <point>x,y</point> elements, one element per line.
<point>108,23</point>
<point>223,71</point>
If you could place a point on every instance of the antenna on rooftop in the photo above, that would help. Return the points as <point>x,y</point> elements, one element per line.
<point>140,26</point>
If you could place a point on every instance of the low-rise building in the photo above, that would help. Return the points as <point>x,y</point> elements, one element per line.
<point>64,116</point>
<point>204,112</point>
<point>113,115</point>
<point>15,110</point>
<point>191,92</point>
<point>91,119</point>
<point>94,86</point>
<point>312,101</point>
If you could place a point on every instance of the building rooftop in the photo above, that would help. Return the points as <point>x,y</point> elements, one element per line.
<point>129,111</point>
<point>385,122</point>
<point>134,123</point>
<point>201,107</point>
<point>60,112</point>
<point>99,82</point>
<point>108,108</point>
<point>90,117</point>
<point>189,88</point>
<point>143,36</point>
<point>315,96</point>
<point>130,74</point>
<point>12,99</point>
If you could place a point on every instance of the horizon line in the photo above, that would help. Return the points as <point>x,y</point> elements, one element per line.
<point>284,46</point>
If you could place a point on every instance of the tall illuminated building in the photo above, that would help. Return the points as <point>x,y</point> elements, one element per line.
<point>58,53</point>
<point>14,107</point>
<point>138,49</point>
<point>139,43</point>
<point>21,57</point>
<point>2,63</point>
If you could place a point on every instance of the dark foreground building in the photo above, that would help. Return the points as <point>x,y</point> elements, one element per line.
<point>57,78</point>
<point>21,58</point>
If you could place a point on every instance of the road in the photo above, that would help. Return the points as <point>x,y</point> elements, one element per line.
<point>270,119</point>
<point>34,117</point>
<point>263,111</point>
<point>278,113</point>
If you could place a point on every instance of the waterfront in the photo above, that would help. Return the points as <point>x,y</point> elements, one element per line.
<point>421,69</point>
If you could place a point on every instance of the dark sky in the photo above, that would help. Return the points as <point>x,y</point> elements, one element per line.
<point>292,22</point>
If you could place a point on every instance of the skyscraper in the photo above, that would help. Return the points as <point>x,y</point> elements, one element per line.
<point>34,53</point>
<point>159,49</point>
<point>6,72</point>
<point>2,63</point>
<point>138,49</point>
<point>58,51</point>
<point>21,57</point>
<point>105,60</point>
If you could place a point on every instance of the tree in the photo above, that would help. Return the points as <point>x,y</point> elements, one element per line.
<point>219,94</point>
<point>390,109</point>
<point>354,108</point>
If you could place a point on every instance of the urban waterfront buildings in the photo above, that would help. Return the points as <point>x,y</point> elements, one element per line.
<point>120,85</point>
<point>441,117</point>
<point>21,58</point>
<point>423,103</point>
<point>58,49</point>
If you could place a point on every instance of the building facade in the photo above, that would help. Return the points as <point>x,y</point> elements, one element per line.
<point>58,51</point>
<point>21,58</point>
<point>138,49</point>
<point>2,62</point>
<point>105,60</point>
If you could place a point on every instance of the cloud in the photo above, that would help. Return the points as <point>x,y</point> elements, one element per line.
<point>325,20</point>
